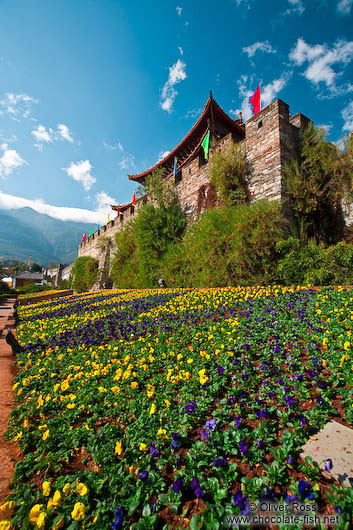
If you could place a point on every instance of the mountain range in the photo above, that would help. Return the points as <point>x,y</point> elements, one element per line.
<point>25,232</point>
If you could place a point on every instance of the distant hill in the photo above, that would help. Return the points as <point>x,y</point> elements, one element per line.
<point>25,232</point>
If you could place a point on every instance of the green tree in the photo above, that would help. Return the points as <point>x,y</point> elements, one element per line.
<point>125,265</point>
<point>227,246</point>
<point>104,245</point>
<point>228,172</point>
<point>84,273</point>
<point>314,185</point>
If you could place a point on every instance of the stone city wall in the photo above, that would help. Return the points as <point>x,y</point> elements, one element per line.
<point>271,140</point>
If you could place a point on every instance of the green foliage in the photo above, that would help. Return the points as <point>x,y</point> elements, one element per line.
<point>316,264</point>
<point>228,175</point>
<point>85,273</point>
<point>124,270</point>
<point>141,246</point>
<point>228,246</point>
<point>105,245</point>
<point>156,229</point>
<point>315,183</point>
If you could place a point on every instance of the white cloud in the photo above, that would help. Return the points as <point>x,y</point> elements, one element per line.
<point>246,2</point>
<point>43,135</point>
<point>270,91</point>
<point>347,115</point>
<point>162,154</point>
<point>17,106</point>
<point>64,132</point>
<point>193,113</point>
<point>344,6</point>
<point>325,127</point>
<point>63,213</point>
<point>127,162</point>
<point>340,144</point>
<point>179,10</point>
<point>268,94</point>
<point>104,202</point>
<point>114,147</point>
<point>9,160</point>
<point>176,75</point>
<point>295,7</point>
<point>320,61</point>
<point>264,46</point>
<point>81,172</point>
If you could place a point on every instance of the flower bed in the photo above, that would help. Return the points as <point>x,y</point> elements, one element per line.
<point>177,408</point>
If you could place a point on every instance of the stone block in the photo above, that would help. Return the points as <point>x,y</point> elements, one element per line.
<point>334,441</point>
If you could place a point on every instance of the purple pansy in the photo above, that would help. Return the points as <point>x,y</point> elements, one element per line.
<point>178,484</point>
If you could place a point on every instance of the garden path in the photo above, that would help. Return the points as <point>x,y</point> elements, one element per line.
<point>8,450</point>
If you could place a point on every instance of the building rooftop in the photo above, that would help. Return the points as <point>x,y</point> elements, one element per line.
<point>212,116</point>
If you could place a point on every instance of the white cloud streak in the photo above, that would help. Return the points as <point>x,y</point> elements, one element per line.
<point>64,132</point>
<point>43,135</point>
<point>9,161</point>
<point>264,46</point>
<point>320,60</point>
<point>81,172</point>
<point>176,75</point>
<point>344,7</point>
<point>347,115</point>
<point>63,213</point>
<point>295,7</point>
<point>17,106</point>
<point>162,154</point>
<point>268,94</point>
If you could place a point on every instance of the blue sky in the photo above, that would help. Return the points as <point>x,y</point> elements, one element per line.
<point>92,90</point>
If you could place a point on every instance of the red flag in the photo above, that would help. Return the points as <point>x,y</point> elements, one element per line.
<point>134,199</point>
<point>118,212</point>
<point>84,237</point>
<point>255,100</point>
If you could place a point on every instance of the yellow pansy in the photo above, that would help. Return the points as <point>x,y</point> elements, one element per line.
<point>67,488</point>
<point>55,501</point>
<point>78,512</point>
<point>81,489</point>
<point>35,512</point>
<point>7,506</point>
<point>46,488</point>
<point>143,447</point>
<point>46,434</point>
<point>118,448</point>
<point>153,409</point>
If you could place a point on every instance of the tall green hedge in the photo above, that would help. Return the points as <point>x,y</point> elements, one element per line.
<point>84,273</point>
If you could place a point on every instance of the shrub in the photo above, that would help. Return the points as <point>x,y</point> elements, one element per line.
<point>317,265</point>
<point>228,246</point>
<point>124,270</point>
<point>228,175</point>
<point>314,185</point>
<point>84,273</point>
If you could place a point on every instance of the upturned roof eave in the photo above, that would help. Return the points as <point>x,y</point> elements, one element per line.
<point>203,118</point>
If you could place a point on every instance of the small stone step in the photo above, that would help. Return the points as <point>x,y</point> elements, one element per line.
<point>335,442</point>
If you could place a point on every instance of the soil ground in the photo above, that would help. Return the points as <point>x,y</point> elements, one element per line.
<point>8,450</point>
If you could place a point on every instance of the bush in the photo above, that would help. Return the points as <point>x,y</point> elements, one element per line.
<point>228,175</point>
<point>125,265</point>
<point>316,265</point>
<point>85,273</point>
<point>228,246</point>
